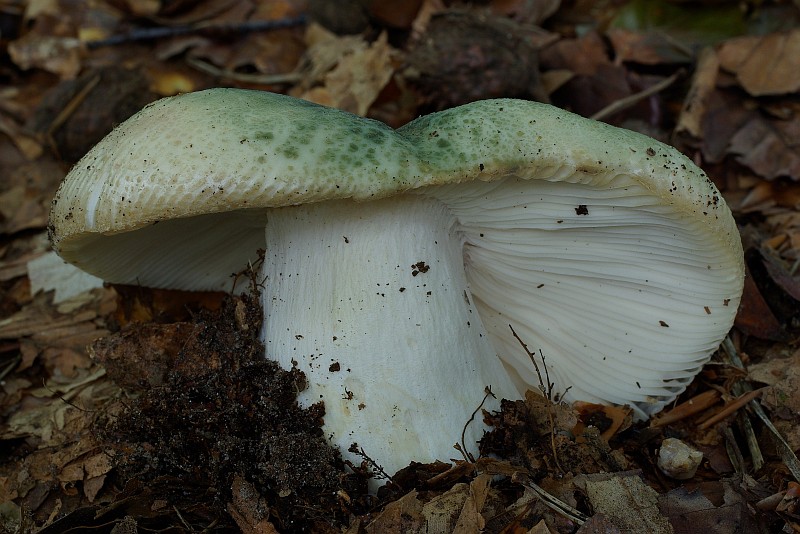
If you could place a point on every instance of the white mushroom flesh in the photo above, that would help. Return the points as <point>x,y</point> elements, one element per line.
<point>371,302</point>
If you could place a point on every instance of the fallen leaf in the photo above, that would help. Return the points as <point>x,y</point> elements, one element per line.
<point>647,48</point>
<point>92,486</point>
<point>358,78</point>
<point>249,509</point>
<point>442,511</point>
<point>470,519</point>
<point>625,500</point>
<point>755,316</point>
<point>533,13</point>
<point>597,81</point>
<point>690,512</point>
<point>696,103</point>
<point>770,147</point>
<point>764,65</point>
<point>59,55</point>
<point>598,524</point>
<point>402,515</point>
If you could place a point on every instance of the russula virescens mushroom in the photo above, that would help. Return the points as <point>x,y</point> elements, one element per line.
<point>396,260</point>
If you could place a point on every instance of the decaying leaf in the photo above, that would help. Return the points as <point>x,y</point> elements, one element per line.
<point>402,515</point>
<point>695,105</point>
<point>693,511</point>
<point>345,72</point>
<point>627,501</point>
<point>442,512</point>
<point>470,519</point>
<point>59,55</point>
<point>249,509</point>
<point>769,146</point>
<point>764,65</point>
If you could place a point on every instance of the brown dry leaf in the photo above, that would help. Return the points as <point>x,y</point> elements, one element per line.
<point>426,11</point>
<point>781,272</point>
<point>324,51</point>
<point>723,117</point>
<point>770,147</point>
<point>597,81</point>
<point>697,511</point>
<point>97,465</point>
<point>203,11</point>
<point>781,398</point>
<point>599,524</point>
<point>402,515</point>
<point>249,509</point>
<point>696,102</point>
<point>646,48</point>
<point>358,79</point>
<point>442,512</point>
<point>27,145</point>
<point>41,322</point>
<point>59,55</point>
<point>92,486</point>
<point>47,416</point>
<point>627,501</point>
<point>533,13</point>
<point>471,519</point>
<point>21,209</point>
<point>273,52</point>
<point>540,528</point>
<point>768,65</point>
<point>755,316</point>
<point>550,416</point>
<point>353,73</point>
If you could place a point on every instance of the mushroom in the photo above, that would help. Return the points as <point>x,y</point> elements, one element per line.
<point>397,261</point>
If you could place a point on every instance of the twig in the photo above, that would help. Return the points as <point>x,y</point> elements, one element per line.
<point>263,79</point>
<point>552,502</point>
<point>546,387</point>
<point>731,408</point>
<point>547,391</point>
<point>467,455</point>
<point>694,405</point>
<point>63,399</point>
<point>151,34</point>
<point>787,454</point>
<point>733,450</point>
<point>632,100</point>
<point>8,368</point>
<point>67,112</point>
<point>738,388</point>
<point>381,474</point>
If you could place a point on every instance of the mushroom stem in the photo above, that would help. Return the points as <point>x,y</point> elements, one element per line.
<point>371,302</point>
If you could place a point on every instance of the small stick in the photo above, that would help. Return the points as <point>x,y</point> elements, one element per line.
<point>686,409</point>
<point>731,407</point>
<point>552,502</point>
<point>547,388</point>
<point>463,449</point>
<point>632,100</point>
<point>787,453</point>
<point>263,79</point>
<point>151,34</point>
